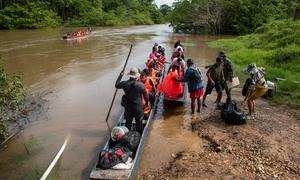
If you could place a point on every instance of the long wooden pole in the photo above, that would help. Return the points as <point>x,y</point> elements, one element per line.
<point>116,90</point>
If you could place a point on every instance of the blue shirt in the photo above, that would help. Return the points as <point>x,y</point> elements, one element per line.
<point>190,78</point>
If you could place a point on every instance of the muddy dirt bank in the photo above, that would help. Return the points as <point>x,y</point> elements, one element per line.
<point>264,148</point>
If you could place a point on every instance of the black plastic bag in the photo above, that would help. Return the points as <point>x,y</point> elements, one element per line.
<point>131,140</point>
<point>112,157</point>
<point>231,114</point>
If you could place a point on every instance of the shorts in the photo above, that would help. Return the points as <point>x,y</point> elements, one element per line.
<point>210,87</point>
<point>197,94</point>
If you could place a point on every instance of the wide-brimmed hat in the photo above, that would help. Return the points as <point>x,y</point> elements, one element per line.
<point>134,73</point>
<point>251,69</point>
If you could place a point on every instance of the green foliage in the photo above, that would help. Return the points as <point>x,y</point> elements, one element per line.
<point>228,16</point>
<point>165,9</point>
<point>273,46</point>
<point>19,14</point>
<point>29,16</point>
<point>12,96</point>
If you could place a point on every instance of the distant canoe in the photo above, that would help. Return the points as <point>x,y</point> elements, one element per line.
<point>75,36</point>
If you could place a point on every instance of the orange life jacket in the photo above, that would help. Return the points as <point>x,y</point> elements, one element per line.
<point>153,76</point>
<point>147,85</point>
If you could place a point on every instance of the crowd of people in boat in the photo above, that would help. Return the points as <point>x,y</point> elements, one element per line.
<point>81,32</point>
<point>141,88</point>
<point>139,98</point>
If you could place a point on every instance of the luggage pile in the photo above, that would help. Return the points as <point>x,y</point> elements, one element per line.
<point>123,145</point>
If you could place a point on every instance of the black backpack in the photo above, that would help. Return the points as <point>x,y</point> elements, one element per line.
<point>131,140</point>
<point>197,74</point>
<point>246,87</point>
<point>112,157</point>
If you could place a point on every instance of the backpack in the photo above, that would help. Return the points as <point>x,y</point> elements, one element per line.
<point>246,87</point>
<point>112,157</point>
<point>197,74</point>
<point>131,140</point>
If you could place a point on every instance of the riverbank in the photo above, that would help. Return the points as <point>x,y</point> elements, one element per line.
<point>274,46</point>
<point>264,148</point>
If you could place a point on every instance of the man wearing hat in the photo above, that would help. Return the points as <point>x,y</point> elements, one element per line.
<point>132,100</point>
<point>195,85</point>
<point>228,73</point>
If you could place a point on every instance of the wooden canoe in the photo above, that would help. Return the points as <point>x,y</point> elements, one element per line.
<point>66,37</point>
<point>127,174</point>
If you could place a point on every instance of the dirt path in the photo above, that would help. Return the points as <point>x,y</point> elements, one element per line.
<point>267,147</point>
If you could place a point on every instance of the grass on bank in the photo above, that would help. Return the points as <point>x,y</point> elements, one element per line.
<point>275,46</point>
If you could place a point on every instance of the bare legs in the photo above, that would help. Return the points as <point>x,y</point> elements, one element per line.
<point>193,106</point>
<point>251,105</point>
<point>198,105</point>
<point>219,97</point>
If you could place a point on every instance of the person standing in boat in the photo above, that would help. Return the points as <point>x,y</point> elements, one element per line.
<point>161,50</point>
<point>155,48</point>
<point>178,53</point>
<point>194,79</point>
<point>132,100</point>
<point>178,43</point>
<point>179,62</point>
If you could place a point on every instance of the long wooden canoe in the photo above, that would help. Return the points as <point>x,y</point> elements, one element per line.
<point>128,174</point>
<point>70,37</point>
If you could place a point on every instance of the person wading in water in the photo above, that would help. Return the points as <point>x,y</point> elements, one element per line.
<point>132,100</point>
<point>195,86</point>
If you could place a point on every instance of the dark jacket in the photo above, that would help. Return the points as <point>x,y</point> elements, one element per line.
<point>189,77</point>
<point>134,91</point>
<point>227,69</point>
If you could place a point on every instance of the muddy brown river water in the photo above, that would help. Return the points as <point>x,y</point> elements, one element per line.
<point>77,80</point>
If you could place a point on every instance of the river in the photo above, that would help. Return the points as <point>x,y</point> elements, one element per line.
<point>77,80</point>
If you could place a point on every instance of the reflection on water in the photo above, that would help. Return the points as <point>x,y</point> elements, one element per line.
<point>78,78</point>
